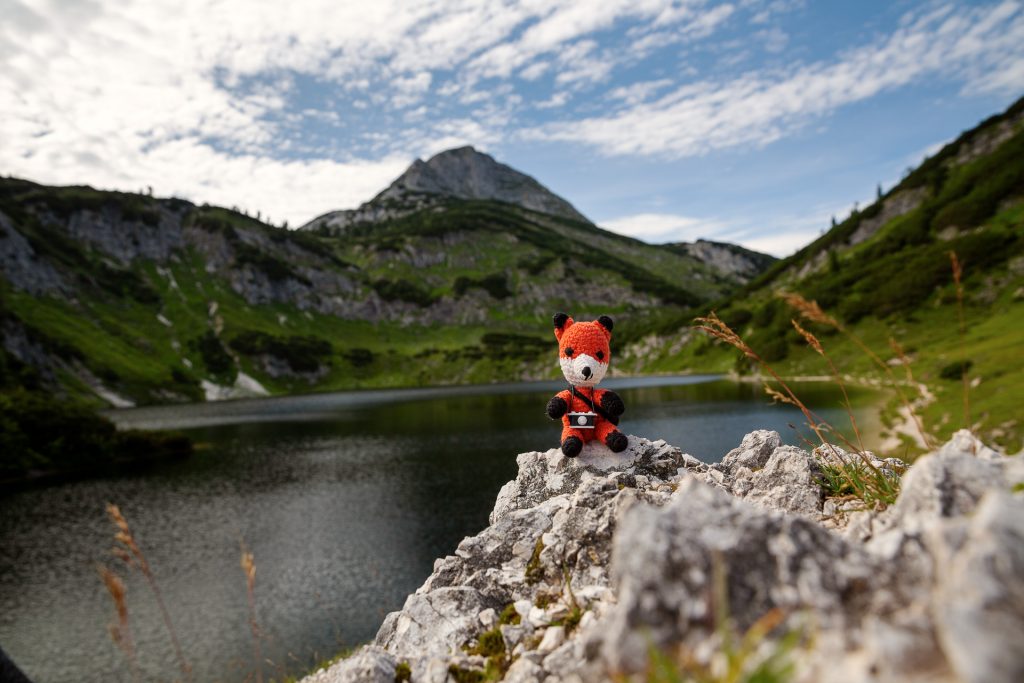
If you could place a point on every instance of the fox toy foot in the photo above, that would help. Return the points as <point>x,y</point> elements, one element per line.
<point>571,447</point>
<point>616,441</point>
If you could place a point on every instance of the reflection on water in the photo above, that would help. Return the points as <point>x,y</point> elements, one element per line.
<point>344,499</point>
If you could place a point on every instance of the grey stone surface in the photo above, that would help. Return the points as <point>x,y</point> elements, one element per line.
<point>463,173</point>
<point>606,556</point>
<point>665,560</point>
<point>789,481</point>
<point>754,451</point>
<point>369,665</point>
<point>742,263</point>
<point>979,606</point>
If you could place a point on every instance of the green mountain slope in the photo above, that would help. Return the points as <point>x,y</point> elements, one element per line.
<point>886,271</point>
<point>123,298</point>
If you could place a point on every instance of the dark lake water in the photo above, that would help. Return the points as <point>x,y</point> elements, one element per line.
<point>345,500</point>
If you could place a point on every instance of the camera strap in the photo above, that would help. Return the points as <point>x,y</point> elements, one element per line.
<point>593,406</point>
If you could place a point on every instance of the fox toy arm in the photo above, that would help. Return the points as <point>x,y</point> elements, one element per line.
<point>612,404</point>
<point>559,405</point>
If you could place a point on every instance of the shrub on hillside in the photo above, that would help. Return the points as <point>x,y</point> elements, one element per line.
<point>302,353</point>
<point>42,433</point>
<point>496,285</point>
<point>403,290</point>
<point>500,345</point>
<point>215,357</point>
<point>956,369</point>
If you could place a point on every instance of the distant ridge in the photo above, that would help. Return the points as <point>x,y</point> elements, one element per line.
<point>731,259</point>
<point>461,173</point>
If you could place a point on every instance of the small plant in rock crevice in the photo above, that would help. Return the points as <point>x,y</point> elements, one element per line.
<point>509,615</point>
<point>534,569</point>
<point>844,473</point>
<point>753,657</point>
<point>854,480</point>
<point>571,620</point>
<point>403,672</point>
<point>489,644</point>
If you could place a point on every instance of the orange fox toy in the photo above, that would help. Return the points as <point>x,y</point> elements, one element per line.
<point>587,413</point>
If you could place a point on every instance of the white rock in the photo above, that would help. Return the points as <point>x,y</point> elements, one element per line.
<point>928,590</point>
<point>554,636</point>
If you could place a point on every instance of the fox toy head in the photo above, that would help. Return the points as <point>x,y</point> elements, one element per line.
<point>583,350</point>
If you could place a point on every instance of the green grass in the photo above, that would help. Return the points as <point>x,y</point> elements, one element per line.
<point>856,479</point>
<point>898,284</point>
<point>147,331</point>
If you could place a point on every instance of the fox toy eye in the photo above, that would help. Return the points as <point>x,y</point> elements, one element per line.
<point>569,352</point>
<point>600,355</point>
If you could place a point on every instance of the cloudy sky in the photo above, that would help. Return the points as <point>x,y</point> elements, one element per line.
<point>751,121</point>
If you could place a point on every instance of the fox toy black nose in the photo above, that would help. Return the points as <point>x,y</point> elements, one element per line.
<point>585,371</point>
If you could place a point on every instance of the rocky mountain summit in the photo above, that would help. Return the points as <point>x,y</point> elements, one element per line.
<point>743,263</point>
<point>462,173</point>
<point>601,567</point>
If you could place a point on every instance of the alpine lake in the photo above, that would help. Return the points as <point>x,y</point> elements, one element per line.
<point>343,499</point>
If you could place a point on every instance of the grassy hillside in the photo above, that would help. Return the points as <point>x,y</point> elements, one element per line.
<point>886,271</point>
<point>110,296</point>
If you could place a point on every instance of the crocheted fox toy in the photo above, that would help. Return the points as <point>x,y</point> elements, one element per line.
<point>587,413</point>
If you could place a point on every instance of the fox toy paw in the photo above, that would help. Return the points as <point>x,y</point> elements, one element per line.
<point>616,441</point>
<point>571,447</point>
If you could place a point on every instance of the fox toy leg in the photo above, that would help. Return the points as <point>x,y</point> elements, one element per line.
<point>573,439</point>
<point>610,436</point>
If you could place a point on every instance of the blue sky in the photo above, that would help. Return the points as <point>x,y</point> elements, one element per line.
<point>750,121</point>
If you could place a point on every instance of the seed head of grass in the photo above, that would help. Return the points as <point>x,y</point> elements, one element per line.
<point>811,340</point>
<point>716,327</point>
<point>119,630</point>
<point>128,551</point>
<point>777,396</point>
<point>249,567</point>
<point>809,309</point>
<point>958,270</point>
<point>115,586</point>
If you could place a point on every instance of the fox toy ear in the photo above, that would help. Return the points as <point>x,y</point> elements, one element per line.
<point>562,323</point>
<point>606,322</point>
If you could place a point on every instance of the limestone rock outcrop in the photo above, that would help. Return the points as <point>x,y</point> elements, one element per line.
<point>593,566</point>
<point>461,173</point>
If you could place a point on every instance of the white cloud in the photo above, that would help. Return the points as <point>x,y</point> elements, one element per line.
<point>535,70</point>
<point>759,108</point>
<point>663,227</point>
<point>558,99</point>
<point>780,244</point>
<point>635,93</point>
<point>185,94</point>
<point>660,228</point>
<point>206,97</point>
<point>410,89</point>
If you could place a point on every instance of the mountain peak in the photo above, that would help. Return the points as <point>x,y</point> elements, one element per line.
<point>465,173</point>
<point>460,173</point>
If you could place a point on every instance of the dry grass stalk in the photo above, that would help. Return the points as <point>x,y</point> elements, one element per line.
<point>958,281</point>
<point>120,632</point>
<point>862,478</point>
<point>806,442</point>
<point>776,395</point>
<point>714,326</point>
<point>249,568</point>
<point>813,312</point>
<point>813,342</point>
<point>131,554</point>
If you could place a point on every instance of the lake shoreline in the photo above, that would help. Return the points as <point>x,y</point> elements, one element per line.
<point>300,407</point>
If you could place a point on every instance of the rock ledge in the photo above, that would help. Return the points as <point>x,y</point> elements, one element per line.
<point>590,565</point>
